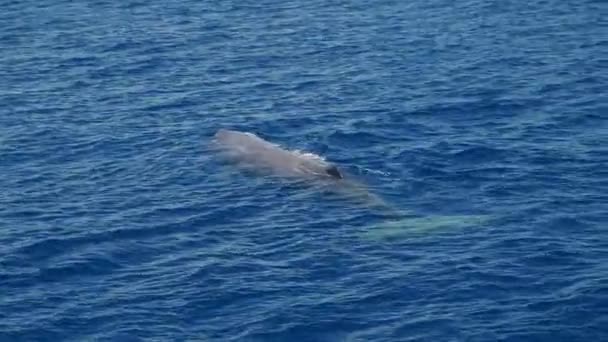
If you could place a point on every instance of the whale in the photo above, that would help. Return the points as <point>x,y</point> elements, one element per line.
<point>252,152</point>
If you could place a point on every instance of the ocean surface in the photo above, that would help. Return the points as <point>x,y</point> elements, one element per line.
<point>485,123</point>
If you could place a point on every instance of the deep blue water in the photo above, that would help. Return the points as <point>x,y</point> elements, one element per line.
<point>118,224</point>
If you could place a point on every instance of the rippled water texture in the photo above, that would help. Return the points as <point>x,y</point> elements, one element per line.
<point>480,124</point>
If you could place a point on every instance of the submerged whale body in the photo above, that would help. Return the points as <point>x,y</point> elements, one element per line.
<point>251,150</point>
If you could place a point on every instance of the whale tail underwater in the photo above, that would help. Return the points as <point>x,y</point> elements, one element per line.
<point>251,152</point>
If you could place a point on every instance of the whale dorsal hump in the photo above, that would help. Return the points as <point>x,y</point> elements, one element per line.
<point>334,172</point>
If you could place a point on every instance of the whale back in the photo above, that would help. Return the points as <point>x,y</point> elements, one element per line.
<point>252,150</point>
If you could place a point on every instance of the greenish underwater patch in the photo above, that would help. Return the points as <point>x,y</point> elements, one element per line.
<point>419,226</point>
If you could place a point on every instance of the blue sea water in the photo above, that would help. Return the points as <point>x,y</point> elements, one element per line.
<point>118,224</point>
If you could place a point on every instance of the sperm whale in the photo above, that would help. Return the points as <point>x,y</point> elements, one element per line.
<point>253,152</point>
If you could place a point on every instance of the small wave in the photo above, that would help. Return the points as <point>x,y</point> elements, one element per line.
<point>363,170</point>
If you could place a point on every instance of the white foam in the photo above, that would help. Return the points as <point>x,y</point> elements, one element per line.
<point>308,155</point>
